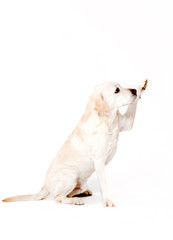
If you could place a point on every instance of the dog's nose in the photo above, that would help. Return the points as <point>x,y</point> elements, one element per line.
<point>133,91</point>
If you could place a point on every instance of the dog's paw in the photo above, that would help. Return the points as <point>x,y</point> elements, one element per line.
<point>144,85</point>
<point>108,203</point>
<point>77,201</point>
<point>87,193</point>
<point>141,89</point>
<point>69,200</point>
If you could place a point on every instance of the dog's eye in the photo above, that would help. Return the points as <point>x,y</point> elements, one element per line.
<point>117,90</point>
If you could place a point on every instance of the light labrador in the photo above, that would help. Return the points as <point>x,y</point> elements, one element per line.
<point>90,146</point>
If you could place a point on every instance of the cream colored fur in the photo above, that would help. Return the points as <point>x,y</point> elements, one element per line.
<point>90,146</point>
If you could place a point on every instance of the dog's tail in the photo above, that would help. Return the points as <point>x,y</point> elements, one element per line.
<point>34,197</point>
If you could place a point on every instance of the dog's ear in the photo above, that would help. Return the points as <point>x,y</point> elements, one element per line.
<point>100,105</point>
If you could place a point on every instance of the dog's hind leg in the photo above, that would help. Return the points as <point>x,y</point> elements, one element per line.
<point>65,184</point>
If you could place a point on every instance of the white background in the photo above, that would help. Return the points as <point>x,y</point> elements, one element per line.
<point>52,54</point>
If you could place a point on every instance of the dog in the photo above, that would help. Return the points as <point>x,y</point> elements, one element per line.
<point>90,146</point>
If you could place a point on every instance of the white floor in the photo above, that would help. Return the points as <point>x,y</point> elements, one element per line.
<point>141,212</point>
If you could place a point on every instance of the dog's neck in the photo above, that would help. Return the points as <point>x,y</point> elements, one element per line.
<point>91,121</point>
<point>107,121</point>
<point>111,119</point>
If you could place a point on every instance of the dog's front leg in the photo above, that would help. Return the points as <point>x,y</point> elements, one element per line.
<point>99,168</point>
<point>127,120</point>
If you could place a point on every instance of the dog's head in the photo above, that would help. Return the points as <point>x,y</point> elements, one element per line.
<point>109,96</point>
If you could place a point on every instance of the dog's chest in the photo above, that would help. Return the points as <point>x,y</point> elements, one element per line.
<point>105,144</point>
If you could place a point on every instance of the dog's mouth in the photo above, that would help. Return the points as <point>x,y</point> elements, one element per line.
<point>133,99</point>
